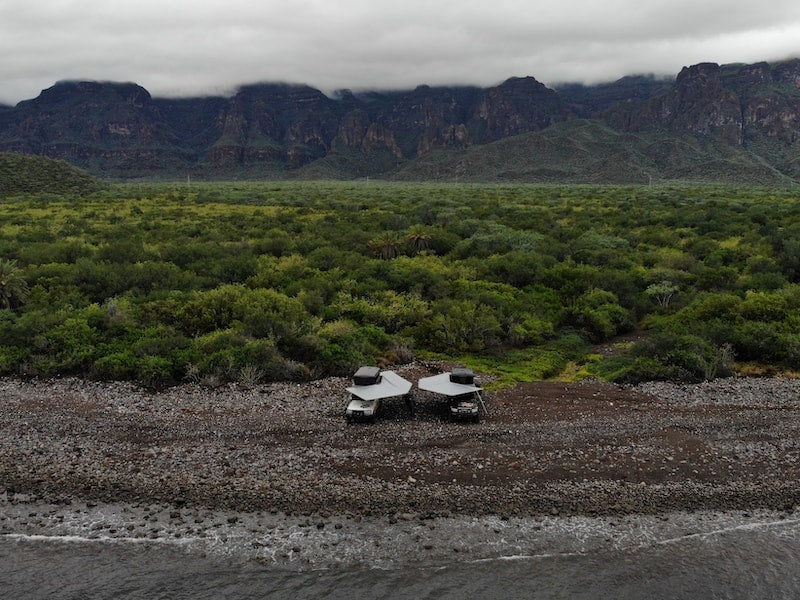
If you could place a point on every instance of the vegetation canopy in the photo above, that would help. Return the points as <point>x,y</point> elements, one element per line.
<point>252,282</point>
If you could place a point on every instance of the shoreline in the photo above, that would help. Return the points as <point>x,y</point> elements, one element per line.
<point>340,542</point>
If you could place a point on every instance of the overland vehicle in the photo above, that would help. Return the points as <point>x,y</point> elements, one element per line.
<point>370,387</point>
<point>465,401</point>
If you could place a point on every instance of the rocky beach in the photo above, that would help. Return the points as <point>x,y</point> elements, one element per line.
<point>544,448</point>
<point>210,466</point>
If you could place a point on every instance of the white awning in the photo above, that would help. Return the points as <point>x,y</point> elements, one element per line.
<point>391,384</point>
<point>441,384</point>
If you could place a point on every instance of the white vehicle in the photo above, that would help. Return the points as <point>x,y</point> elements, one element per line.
<point>370,387</point>
<point>465,401</point>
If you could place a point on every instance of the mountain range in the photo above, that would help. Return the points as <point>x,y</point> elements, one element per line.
<point>719,123</point>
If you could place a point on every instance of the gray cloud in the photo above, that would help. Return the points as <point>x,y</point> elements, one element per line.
<point>186,48</point>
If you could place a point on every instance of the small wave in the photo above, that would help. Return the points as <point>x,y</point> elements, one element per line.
<point>103,539</point>
<point>652,541</point>
<point>757,526</point>
<point>520,557</point>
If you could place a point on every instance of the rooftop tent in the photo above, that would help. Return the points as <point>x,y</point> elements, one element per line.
<point>389,384</point>
<point>462,375</point>
<point>367,376</point>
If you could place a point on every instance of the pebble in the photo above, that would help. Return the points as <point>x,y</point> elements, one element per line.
<point>247,449</point>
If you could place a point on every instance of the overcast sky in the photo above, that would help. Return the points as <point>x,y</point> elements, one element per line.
<point>185,48</point>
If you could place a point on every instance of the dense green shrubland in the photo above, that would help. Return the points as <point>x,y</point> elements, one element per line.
<point>271,281</point>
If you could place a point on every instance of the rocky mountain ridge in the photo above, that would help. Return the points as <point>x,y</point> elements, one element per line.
<point>719,118</point>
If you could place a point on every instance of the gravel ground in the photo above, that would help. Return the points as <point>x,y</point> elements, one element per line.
<point>545,449</point>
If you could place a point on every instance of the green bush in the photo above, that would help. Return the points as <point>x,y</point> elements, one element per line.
<point>345,347</point>
<point>458,327</point>
<point>12,358</point>
<point>155,372</point>
<point>598,315</point>
<point>117,366</point>
<point>683,357</point>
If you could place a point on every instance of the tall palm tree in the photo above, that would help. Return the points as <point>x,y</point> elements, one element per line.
<point>13,287</point>
<point>418,239</point>
<point>386,245</point>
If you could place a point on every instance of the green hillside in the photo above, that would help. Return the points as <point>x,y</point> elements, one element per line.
<point>25,174</point>
<point>588,151</point>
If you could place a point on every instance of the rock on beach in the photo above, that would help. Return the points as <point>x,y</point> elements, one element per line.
<point>544,448</point>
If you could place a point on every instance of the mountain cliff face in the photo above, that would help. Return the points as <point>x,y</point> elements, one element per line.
<point>770,100</point>
<point>93,125</point>
<point>290,125</point>
<point>730,103</point>
<point>118,130</point>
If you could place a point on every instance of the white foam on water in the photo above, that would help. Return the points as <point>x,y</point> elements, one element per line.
<point>100,539</point>
<point>756,526</point>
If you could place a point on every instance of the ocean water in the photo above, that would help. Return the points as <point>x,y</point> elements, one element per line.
<point>685,556</point>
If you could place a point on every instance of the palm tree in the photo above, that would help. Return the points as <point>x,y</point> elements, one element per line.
<point>13,287</point>
<point>387,245</point>
<point>418,239</point>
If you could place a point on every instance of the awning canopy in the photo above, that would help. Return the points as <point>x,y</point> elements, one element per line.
<point>441,384</point>
<point>391,384</point>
